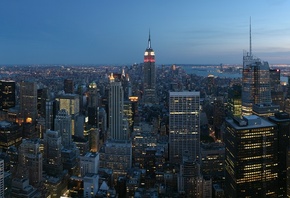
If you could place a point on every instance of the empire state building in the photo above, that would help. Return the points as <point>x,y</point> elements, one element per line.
<point>149,75</point>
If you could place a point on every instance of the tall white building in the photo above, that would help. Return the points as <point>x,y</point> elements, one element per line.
<point>117,123</point>
<point>184,125</point>
<point>91,185</point>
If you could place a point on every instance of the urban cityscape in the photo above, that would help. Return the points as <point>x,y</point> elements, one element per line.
<point>144,129</point>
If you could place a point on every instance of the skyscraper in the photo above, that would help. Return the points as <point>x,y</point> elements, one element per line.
<point>62,124</point>
<point>235,100</point>
<point>184,125</point>
<point>149,75</point>
<point>251,162</point>
<point>256,89</point>
<point>70,102</point>
<point>282,120</point>
<point>68,86</point>
<point>117,124</point>
<point>30,161</point>
<point>7,94</point>
<point>52,153</point>
<point>28,101</point>
<point>93,101</point>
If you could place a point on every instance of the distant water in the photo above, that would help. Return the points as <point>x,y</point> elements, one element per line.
<point>213,71</point>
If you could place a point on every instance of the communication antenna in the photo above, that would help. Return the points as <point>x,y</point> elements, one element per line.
<point>250,37</point>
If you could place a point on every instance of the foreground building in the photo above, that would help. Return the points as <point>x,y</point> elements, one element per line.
<point>251,161</point>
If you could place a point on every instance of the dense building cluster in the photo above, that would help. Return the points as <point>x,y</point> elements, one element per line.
<point>143,131</point>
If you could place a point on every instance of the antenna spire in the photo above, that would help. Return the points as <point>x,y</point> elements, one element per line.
<point>149,41</point>
<point>250,37</point>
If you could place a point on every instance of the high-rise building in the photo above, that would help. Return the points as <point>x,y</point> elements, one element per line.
<point>1,178</point>
<point>277,92</point>
<point>93,100</point>
<point>282,120</point>
<point>251,161</point>
<point>235,100</point>
<point>218,116</point>
<point>10,134</point>
<point>70,102</point>
<point>7,94</point>
<point>210,84</point>
<point>212,158</point>
<point>184,125</point>
<point>275,79</point>
<point>30,161</point>
<point>68,86</point>
<point>52,153</point>
<point>256,88</point>
<point>116,155</point>
<point>117,123</point>
<point>149,75</point>
<point>189,181</point>
<point>89,163</point>
<point>28,101</point>
<point>62,124</point>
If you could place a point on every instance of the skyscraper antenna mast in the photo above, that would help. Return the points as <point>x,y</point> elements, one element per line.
<point>149,40</point>
<point>250,37</point>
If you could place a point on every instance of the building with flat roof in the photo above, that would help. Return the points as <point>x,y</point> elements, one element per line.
<point>251,160</point>
<point>184,125</point>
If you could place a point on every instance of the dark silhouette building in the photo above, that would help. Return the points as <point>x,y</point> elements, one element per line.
<point>7,94</point>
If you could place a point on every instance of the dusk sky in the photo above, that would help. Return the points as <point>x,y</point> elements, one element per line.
<point>116,32</point>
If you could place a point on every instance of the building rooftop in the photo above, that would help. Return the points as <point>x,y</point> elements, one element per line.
<point>184,93</point>
<point>248,122</point>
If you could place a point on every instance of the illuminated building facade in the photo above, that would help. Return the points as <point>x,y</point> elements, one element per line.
<point>149,75</point>
<point>212,158</point>
<point>7,94</point>
<point>28,101</point>
<point>116,155</point>
<point>71,103</point>
<point>235,100</point>
<point>10,134</point>
<point>251,160</point>
<point>256,88</point>
<point>184,125</point>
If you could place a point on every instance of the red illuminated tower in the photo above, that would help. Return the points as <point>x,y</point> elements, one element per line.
<point>149,74</point>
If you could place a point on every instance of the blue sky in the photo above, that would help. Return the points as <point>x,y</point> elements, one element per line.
<point>116,32</point>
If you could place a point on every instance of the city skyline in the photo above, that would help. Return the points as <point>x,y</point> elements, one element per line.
<point>101,32</point>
